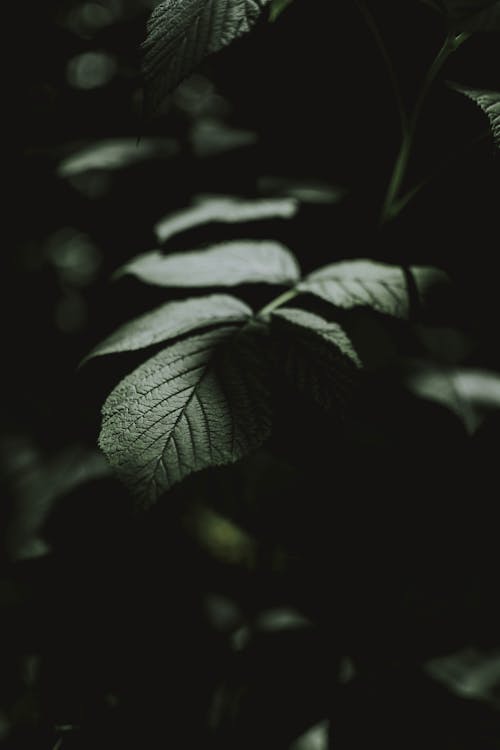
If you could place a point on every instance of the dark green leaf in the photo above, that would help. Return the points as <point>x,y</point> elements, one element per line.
<point>225,264</point>
<point>201,402</point>
<point>318,356</point>
<point>173,319</point>
<point>182,32</point>
<point>367,283</point>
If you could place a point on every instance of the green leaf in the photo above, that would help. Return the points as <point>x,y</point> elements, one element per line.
<point>225,209</point>
<point>170,320</point>
<point>224,264</point>
<point>318,356</point>
<point>183,32</point>
<point>489,101</point>
<point>201,402</point>
<point>366,283</point>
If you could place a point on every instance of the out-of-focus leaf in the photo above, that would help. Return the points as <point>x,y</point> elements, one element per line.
<point>173,319</point>
<point>91,70</point>
<point>277,8</point>
<point>182,32</point>
<point>116,153</point>
<point>489,101</point>
<point>210,137</point>
<point>36,482</point>
<point>305,191</point>
<point>315,738</point>
<point>469,674</point>
<point>468,393</point>
<point>224,209</point>
<point>382,287</point>
<point>225,264</point>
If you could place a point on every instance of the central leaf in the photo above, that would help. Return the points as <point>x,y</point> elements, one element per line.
<point>201,402</point>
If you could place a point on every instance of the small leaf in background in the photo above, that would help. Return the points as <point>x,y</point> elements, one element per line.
<point>201,402</point>
<point>305,191</point>
<point>382,287</point>
<point>489,101</point>
<point>470,394</point>
<point>469,674</point>
<point>277,8</point>
<point>85,19</point>
<point>315,738</point>
<point>197,97</point>
<point>210,137</point>
<point>224,264</point>
<point>170,320</point>
<point>317,355</point>
<point>91,70</point>
<point>181,34</point>
<point>116,153</point>
<point>74,256</point>
<point>35,482</point>
<point>224,209</point>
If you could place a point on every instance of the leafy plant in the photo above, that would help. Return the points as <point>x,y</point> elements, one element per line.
<point>206,399</point>
<point>297,371</point>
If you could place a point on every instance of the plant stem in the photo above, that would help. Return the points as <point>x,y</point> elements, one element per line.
<point>451,44</point>
<point>370,22</point>
<point>401,202</point>
<point>281,299</point>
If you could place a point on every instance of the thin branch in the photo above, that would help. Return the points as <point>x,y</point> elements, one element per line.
<point>372,25</point>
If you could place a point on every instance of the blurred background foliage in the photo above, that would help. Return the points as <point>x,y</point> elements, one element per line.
<point>339,588</point>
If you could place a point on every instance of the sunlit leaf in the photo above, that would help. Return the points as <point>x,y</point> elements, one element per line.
<point>489,101</point>
<point>366,283</point>
<point>201,402</point>
<point>183,32</point>
<point>173,319</point>
<point>225,264</point>
<point>224,209</point>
